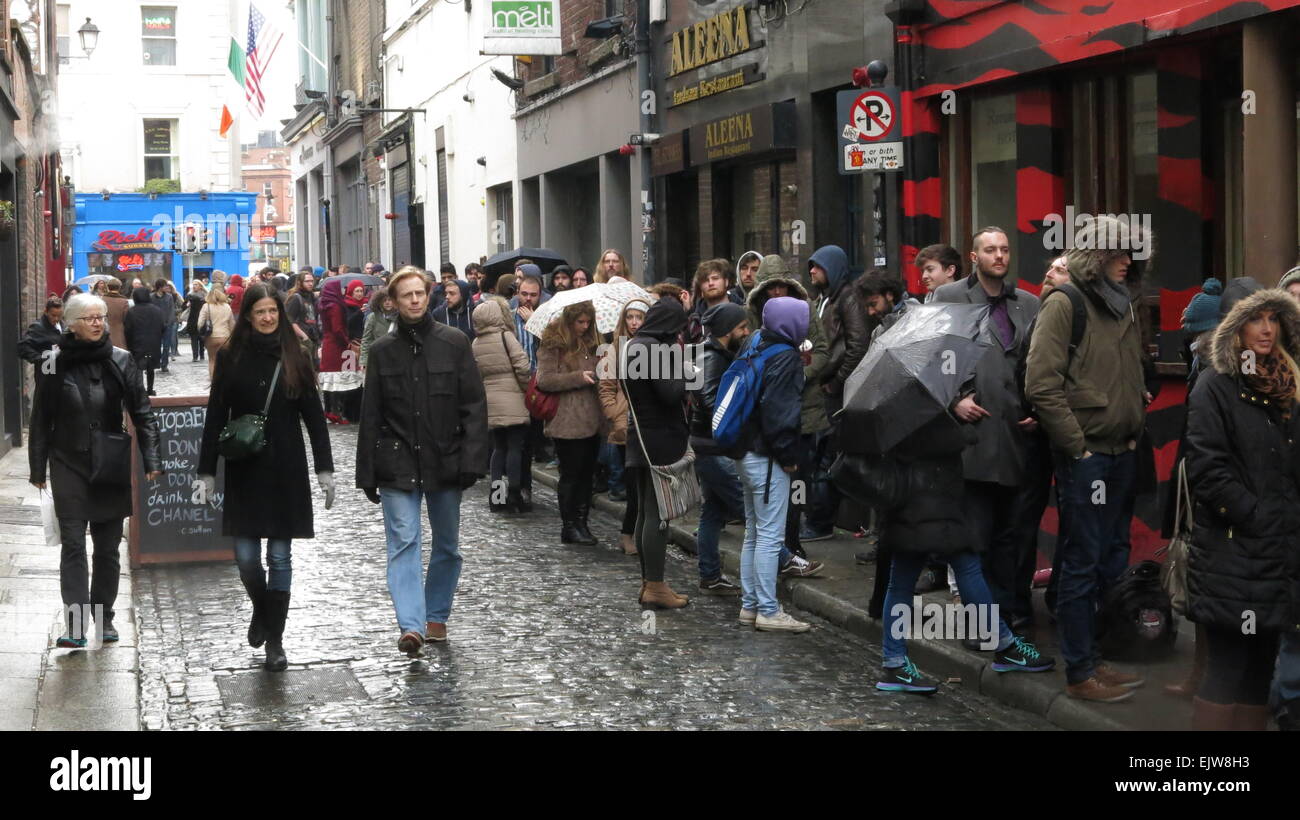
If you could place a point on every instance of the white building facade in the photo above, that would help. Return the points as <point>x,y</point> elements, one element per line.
<point>147,102</point>
<point>454,165</point>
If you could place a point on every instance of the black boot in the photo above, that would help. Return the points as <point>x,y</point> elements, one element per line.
<point>514,501</point>
<point>525,499</point>
<point>569,533</point>
<point>256,590</point>
<point>580,523</point>
<point>277,610</point>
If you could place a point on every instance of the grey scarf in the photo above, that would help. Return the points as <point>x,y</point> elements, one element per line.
<point>1115,296</point>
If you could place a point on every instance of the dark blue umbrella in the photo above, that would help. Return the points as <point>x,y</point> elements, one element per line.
<point>505,262</point>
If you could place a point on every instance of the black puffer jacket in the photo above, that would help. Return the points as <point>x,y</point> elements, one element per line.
<point>1243,468</point>
<point>63,423</point>
<point>424,413</point>
<point>144,325</point>
<point>657,396</point>
<point>930,522</point>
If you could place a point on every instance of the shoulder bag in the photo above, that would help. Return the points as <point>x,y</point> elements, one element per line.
<point>541,405</point>
<point>245,436</point>
<point>1173,572</point>
<point>677,490</point>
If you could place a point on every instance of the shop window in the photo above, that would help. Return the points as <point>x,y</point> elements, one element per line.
<point>993,166</point>
<point>161,160</point>
<point>158,35</point>
<point>1143,154</point>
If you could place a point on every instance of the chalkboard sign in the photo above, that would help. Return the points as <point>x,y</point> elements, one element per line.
<point>167,526</point>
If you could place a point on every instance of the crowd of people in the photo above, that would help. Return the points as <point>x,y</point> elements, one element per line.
<point>1056,398</point>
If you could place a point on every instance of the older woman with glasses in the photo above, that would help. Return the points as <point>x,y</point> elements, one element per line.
<point>77,431</point>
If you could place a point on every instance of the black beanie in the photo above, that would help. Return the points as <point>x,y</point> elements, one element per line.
<point>723,318</point>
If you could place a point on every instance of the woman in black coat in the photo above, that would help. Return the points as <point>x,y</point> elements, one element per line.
<point>77,430</point>
<point>1243,569</point>
<point>145,326</point>
<point>195,299</point>
<point>267,495</point>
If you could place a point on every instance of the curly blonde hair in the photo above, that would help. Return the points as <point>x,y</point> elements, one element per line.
<point>561,334</point>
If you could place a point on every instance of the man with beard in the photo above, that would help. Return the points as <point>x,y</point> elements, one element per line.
<point>746,275</point>
<point>992,401</point>
<point>561,278</point>
<point>712,278</point>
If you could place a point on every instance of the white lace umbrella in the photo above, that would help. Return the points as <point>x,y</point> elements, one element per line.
<point>607,298</point>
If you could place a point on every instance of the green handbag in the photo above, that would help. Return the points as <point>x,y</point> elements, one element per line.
<point>245,436</point>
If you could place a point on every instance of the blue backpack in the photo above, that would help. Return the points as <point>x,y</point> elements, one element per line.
<point>738,391</point>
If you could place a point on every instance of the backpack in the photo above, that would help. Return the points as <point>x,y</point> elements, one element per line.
<point>1079,322</point>
<point>1136,621</point>
<point>738,391</point>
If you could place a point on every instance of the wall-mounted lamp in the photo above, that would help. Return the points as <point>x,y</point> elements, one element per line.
<point>482,161</point>
<point>89,34</point>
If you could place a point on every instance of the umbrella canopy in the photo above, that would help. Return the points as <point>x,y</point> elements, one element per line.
<point>505,262</point>
<point>87,281</point>
<point>607,298</point>
<point>367,279</point>
<point>911,374</point>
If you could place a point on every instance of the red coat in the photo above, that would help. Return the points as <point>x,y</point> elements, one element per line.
<point>236,294</point>
<point>331,313</point>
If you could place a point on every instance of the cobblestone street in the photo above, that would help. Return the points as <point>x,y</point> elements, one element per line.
<point>541,635</point>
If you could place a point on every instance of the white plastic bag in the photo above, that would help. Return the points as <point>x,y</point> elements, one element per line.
<point>53,538</point>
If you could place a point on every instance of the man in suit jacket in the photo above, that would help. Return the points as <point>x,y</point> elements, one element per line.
<point>993,467</point>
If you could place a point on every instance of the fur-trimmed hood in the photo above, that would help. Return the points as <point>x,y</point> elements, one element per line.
<point>1225,350</point>
<point>773,271</point>
<point>1095,243</point>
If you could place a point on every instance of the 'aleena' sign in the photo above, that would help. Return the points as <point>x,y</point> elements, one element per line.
<point>522,27</point>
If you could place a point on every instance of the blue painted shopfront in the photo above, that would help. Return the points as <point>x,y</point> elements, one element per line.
<point>129,235</point>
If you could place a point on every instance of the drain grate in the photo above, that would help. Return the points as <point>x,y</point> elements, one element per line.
<point>296,687</point>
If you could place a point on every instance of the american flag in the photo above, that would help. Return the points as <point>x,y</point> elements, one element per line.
<point>258,57</point>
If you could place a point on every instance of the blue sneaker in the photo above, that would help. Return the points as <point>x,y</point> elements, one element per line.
<point>906,678</point>
<point>1021,656</point>
<point>108,633</point>
<point>69,642</point>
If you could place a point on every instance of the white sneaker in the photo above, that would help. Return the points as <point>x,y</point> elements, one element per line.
<point>780,622</point>
<point>747,616</point>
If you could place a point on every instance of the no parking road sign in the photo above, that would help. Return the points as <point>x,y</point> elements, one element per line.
<point>870,130</point>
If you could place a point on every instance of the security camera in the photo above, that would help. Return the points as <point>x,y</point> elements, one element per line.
<point>643,139</point>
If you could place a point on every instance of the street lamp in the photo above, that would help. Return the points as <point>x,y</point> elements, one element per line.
<point>89,34</point>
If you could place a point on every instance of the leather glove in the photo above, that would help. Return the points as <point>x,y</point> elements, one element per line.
<point>372,494</point>
<point>326,480</point>
<point>209,487</point>
<point>468,480</point>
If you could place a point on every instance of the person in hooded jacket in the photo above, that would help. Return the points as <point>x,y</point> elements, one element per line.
<point>843,319</point>
<point>337,379</point>
<point>379,322</point>
<point>93,383</point>
<point>774,280</point>
<point>235,292</point>
<point>566,368</point>
<point>746,275</point>
<point>1242,427</point>
<point>505,370</point>
<point>267,495</point>
<point>457,308</point>
<point>145,326</point>
<point>657,435</point>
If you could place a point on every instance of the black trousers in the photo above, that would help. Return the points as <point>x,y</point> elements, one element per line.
<point>577,469</point>
<point>801,489</point>
<point>989,510</point>
<point>651,539</point>
<point>630,508</point>
<point>1030,503</point>
<point>196,347</point>
<point>508,445</point>
<point>76,584</point>
<point>1239,668</point>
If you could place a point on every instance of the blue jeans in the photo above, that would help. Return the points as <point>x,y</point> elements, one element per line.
<point>279,558</point>
<point>610,458</point>
<point>1097,492</point>
<point>767,499</point>
<point>1286,682</point>
<point>723,501</point>
<point>903,574</point>
<point>415,606</point>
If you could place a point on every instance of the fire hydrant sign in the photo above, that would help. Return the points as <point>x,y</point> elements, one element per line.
<point>870,130</point>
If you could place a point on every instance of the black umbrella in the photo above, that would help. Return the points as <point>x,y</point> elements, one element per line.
<point>910,375</point>
<point>367,279</point>
<point>505,262</point>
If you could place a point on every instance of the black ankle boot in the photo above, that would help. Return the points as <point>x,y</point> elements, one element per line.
<point>256,590</point>
<point>580,524</point>
<point>514,501</point>
<point>569,533</point>
<point>277,611</point>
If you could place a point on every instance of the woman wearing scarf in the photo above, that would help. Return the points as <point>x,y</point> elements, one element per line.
<point>1242,434</point>
<point>76,429</point>
<point>339,374</point>
<point>267,495</point>
<point>614,402</point>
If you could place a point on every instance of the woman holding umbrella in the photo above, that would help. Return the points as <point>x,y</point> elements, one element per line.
<point>566,367</point>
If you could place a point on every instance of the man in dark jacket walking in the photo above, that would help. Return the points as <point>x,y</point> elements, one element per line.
<point>145,326</point>
<point>43,334</point>
<point>993,466</point>
<point>423,437</point>
<point>1090,399</point>
<point>768,455</point>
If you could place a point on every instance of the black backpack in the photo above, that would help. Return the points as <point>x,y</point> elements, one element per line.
<point>1136,621</point>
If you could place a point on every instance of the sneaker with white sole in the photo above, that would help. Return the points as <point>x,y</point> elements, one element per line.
<point>747,616</point>
<point>801,568</point>
<point>780,622</point>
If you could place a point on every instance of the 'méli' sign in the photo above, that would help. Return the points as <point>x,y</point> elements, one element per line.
<point>523,27</point>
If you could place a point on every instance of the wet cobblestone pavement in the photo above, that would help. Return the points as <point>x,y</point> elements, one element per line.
<point>542,635</point>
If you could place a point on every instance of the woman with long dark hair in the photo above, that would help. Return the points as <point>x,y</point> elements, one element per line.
<point>267,495</point>
<point>566,367</point>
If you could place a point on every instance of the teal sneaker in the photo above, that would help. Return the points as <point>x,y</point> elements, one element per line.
<point>1021,656</point>
<point>906,678</point>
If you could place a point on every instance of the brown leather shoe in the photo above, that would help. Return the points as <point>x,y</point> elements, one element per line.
<point>1097,692</point>
<point>1110,676</point>
<point>411,643</point>
<point>434,631</point>
<point>1213,717</point>
<point>659,595</point>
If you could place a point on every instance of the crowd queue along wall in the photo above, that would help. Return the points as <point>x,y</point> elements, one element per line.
<point>130,235</point>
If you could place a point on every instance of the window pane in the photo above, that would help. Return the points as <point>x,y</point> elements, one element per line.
<point>157,168</point>
<point>993,166</point>
<point>158,22</point>
<point>157,136</point>
<point>1144,175</point>
<point>159,52</point>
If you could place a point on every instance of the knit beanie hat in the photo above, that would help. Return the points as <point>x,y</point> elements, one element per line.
<point>1290,276</point>
<point>1203,311</point>
<point>723,318</point>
